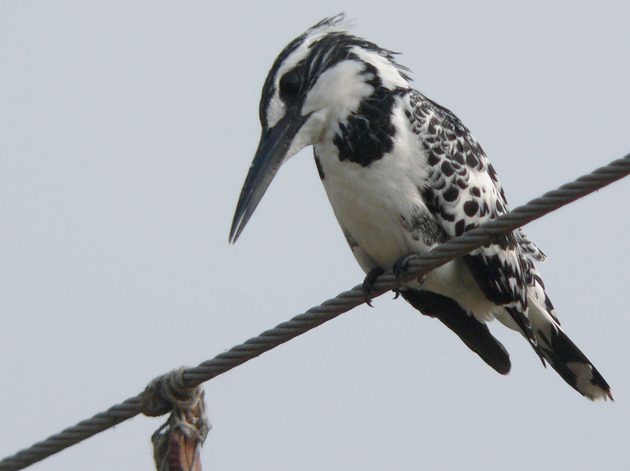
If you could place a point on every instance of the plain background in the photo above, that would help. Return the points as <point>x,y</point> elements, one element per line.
<point>126,131</point>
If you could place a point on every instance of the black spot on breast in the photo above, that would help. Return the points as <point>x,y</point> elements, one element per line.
<point>368,133</point>
<point>471,208</point>
<point>433,159</point>
<point>433,122</point>
<point>483,210</point>
<point>492,172</point>
<point>451,194</point>
<point>429,197</point>
<point>548,304</point>
<point>463,184</point>
<point>447,168</point>
<point>475,191</point>
<point>459,227</point>
<point>472,161</point>
<point>447,216</point>
<point>508,241</point>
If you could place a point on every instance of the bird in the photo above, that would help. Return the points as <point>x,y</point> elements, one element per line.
<point>403,175</point>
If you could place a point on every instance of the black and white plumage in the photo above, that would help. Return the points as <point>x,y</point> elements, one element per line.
<point>403,174</point>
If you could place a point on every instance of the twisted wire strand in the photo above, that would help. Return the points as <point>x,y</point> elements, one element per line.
<point>330,309</point>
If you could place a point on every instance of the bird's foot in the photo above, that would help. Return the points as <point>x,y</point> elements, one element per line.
<point>368,284</point>
<point>401,266</point>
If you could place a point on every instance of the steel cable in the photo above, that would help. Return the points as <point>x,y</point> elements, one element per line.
<point>330,309</point>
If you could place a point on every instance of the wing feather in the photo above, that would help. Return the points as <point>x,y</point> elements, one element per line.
<point>464,192</point>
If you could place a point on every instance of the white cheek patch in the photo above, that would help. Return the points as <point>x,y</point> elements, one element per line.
<point>340,89</point>
<point>275,111</point>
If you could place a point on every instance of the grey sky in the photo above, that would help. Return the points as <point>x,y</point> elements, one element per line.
<point>126,131</point>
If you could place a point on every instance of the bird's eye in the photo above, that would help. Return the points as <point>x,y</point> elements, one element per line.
<point>290,85</point>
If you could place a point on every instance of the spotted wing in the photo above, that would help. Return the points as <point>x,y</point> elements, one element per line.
<point>464,192</point>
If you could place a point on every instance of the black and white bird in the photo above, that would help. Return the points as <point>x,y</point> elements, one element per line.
<point>403,175</point>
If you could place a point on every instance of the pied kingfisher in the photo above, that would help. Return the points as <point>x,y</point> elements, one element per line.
<point>403,175</point>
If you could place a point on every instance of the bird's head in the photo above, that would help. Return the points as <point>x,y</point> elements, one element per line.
<point>314,85</point>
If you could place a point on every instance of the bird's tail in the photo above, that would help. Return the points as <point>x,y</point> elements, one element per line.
<point>474,334</point>
<point>561,353</point>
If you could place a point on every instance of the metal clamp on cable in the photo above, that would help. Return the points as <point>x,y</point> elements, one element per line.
<point>177,443</point>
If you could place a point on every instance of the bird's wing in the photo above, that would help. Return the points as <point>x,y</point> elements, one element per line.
<point>463,191</point>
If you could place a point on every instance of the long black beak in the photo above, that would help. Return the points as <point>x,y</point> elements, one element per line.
<point>272,150</point>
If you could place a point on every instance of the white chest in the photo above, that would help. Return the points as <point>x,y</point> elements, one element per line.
<point>373,202</point>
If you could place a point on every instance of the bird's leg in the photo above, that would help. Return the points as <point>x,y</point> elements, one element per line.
<point>368,284</point>
<point>401,266</point>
